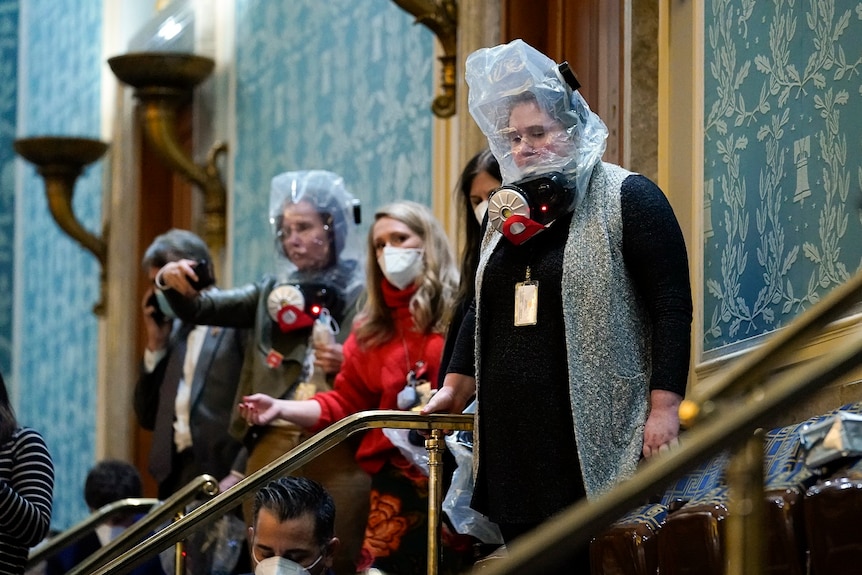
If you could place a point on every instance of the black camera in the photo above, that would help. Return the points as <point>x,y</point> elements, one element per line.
<point>204,273</point>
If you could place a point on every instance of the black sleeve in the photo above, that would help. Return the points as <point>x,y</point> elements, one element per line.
<point>146,397</point>
<point>463,351</point>
<point>451,336</point>
<point>227,308</point>
<point>655,256</point>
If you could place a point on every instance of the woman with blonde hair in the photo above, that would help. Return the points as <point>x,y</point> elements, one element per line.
<point>391,361</point>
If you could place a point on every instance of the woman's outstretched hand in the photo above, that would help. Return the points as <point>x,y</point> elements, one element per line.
<point>259,409</point>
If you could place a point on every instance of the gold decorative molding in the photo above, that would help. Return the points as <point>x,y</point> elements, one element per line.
<point>60,160</point>
<point>441,17</point>
<point>163,81</point>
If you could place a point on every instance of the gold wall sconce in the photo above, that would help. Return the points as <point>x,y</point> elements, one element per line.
<point>60,160</point>
<point>163,81</point>
<point>441,17</point>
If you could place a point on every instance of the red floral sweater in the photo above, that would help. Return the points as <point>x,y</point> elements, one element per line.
<point>370,378</point>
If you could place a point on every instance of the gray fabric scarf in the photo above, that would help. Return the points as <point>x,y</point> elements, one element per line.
<point>607,337</point>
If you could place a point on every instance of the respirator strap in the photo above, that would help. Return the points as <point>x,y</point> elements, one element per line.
<point>518,229</point>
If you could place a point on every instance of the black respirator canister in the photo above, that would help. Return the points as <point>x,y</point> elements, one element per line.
<point>522,209</point>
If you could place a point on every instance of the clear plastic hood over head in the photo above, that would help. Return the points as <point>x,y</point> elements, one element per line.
<point>535,123</point>
<point>315,230</point>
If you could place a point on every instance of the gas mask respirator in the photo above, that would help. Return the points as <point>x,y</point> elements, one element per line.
<point>522,209</point>
<point>295,306</point>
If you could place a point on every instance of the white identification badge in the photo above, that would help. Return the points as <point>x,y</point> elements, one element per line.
<point>526,302</point>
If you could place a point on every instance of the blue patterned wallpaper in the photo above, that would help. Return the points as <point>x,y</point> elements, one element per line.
<point>339,85</point>
<point>56,347</point>
<point>783,162</point>
<point>8,110</point>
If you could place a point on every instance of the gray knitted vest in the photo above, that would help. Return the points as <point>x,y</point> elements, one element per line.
<point>607,336</point>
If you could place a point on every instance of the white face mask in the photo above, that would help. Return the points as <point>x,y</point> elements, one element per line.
<point>107,533</point>
<point>401,266</point>
<point>480,210</point>
<point>283,566</point>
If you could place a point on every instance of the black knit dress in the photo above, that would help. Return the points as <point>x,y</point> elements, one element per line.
<point>529,468</point>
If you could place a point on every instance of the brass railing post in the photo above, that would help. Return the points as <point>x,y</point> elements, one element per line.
<point>745,528</point>
<point>294,459</point>
<point>180,550</point>
<point>435,445</point>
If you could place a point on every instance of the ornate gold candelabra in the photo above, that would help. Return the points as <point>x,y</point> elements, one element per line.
<point>60,160</point>
<point>441,17</point>
<point>163,81</point>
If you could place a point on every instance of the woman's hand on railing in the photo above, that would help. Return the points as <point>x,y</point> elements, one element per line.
<point>662,426</point>
<point>453,396</point>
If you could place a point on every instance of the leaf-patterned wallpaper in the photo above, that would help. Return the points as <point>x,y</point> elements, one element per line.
<point>783,162</point>
<point>8,110</point>
<point>338,85</point>
<point>55,347</point>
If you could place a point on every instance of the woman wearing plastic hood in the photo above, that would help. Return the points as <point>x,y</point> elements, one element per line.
<point>391,360</point>
<point>299,317</point>
<point>577,345</point>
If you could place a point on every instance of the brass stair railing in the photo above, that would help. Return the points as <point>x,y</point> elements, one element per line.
<point>725,413</point>
<point>202,487</point>
<point>53,545</point>
<point>130,555</point>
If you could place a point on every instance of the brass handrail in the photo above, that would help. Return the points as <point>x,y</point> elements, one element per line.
<point>75,533</point>
<point>727,423</point>
<point>205,486</point>
<point>293,459</point>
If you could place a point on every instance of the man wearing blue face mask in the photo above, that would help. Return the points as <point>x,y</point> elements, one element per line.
<point>189,376</point>
<point>293,529</point>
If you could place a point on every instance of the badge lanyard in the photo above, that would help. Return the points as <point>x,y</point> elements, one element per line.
<point>526,301</point>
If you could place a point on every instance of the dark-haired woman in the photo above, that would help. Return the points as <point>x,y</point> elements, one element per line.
<point>480,177</point>
<point>26,488</point>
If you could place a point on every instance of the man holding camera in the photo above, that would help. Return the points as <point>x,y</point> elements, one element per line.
<point>189,377</point>
<point>186,389</point>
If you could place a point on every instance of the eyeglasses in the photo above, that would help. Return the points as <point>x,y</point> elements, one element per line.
<point>302,229</point>
<point>533,136</point>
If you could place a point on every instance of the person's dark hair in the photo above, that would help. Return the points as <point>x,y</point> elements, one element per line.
<point>292,497</point>
<point>557,103</point>
<point>174,245</point>
<point>8,421</point>
<point>484,161</point>
<point>109,481</point>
